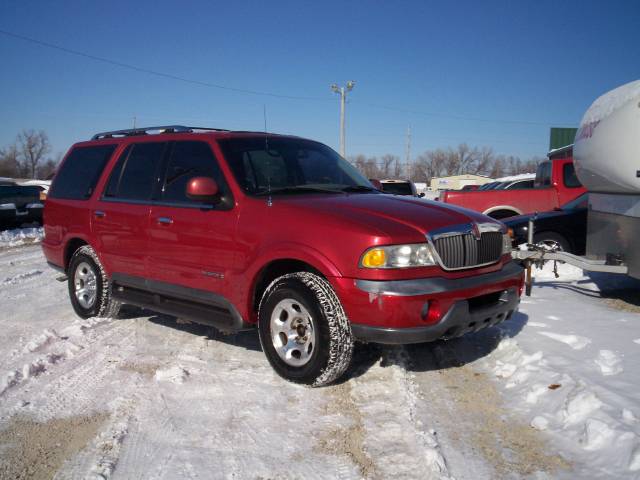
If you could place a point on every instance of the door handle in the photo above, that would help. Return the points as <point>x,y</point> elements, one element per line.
<point>165,220</point>
<point>99,214</point>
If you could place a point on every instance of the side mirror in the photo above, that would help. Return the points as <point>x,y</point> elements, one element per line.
<point>203,189</point>
<point>421,195</point>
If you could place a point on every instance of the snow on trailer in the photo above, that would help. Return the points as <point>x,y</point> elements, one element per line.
<point>606,152</point>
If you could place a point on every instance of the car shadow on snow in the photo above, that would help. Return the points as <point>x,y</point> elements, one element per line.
<point>246,339</point>
<point>437,355</point>
<point>423,357</point>
<point>599,285</point>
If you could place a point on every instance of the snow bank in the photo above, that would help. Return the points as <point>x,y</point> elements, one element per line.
<point>20,236</point>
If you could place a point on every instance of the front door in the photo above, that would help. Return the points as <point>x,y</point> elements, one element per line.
<point>192,244</point>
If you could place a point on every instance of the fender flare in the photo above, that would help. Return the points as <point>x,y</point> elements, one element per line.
<point>503,207</point>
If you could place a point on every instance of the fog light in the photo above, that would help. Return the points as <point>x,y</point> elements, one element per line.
<point>424,313</point>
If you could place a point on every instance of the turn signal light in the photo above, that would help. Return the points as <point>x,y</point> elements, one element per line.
<point>374,258</point>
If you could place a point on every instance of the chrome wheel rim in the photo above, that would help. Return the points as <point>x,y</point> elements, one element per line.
<point>85,285</point>
<point>293,333</point>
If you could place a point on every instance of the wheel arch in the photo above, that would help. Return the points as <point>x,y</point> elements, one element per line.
<point>499,209</point>
<point>272,270</point>
<point>71,245</point>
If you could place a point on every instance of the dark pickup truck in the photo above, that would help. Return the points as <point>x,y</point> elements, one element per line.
<point>18,205</point>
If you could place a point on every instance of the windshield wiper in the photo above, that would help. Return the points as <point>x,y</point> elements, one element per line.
<point>358,188</point>
<point>297,189</point>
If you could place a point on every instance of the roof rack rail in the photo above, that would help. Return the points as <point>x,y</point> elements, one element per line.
<point>144,131</point>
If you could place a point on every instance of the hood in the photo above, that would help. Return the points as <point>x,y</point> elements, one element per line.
<point>386,213</point>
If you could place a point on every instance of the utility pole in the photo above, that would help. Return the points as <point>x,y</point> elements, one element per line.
<point>342,91</point>
<point>408,158</point>
<point>134,122</point>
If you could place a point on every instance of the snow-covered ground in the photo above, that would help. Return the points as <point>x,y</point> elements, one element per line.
<point>552,393</point>
<point>20,236</point>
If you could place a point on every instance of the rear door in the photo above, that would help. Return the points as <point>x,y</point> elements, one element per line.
<point>121,216</point>
<point>192,244</point>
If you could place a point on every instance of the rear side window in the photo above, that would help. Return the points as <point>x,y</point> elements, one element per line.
<point>188,160</point>
<point>80,172</point>
<point>543,175</point>
<point>569,176</point>
<point>134,176</point>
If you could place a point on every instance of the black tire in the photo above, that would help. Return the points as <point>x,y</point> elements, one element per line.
<point>331,354</point>
<point>85,261</point>
<point>551,238</point>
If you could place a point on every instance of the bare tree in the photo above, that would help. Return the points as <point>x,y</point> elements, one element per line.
<point>33,147</point>
<point>386,163</point>
<point>9,162</point>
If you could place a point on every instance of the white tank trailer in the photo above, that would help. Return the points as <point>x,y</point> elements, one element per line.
<point>606,154</point>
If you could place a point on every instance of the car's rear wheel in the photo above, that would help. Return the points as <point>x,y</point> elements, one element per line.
<point>304,331</point>
<point>89,286</point>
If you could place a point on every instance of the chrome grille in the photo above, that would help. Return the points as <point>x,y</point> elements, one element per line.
<point>464,251</point>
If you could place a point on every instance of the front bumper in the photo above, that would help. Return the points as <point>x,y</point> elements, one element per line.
<point>426,309</point>
<point>461,318</point>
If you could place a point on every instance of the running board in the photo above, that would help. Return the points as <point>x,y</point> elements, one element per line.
<point>207,314</point>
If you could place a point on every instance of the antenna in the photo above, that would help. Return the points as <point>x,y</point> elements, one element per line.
<point>266,149</point>
<point>266,138</point>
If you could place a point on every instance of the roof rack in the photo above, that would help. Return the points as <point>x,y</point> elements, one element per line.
<point>144,131</point>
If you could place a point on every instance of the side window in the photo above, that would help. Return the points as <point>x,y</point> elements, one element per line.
<point>569,176</point>
<point>188,160</point>
<point>133,177</point>
<point>77,177</point>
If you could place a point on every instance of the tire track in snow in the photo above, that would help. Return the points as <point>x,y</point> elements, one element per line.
<point>395,439</point>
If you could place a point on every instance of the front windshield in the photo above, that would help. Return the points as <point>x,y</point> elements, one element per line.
<point>285,165</point>
<point>581,202</point>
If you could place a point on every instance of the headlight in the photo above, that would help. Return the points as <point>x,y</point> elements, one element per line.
<point>506,243</point>
<point>398,256</point>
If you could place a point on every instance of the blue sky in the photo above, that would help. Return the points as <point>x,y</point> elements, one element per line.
<point>494,73</point>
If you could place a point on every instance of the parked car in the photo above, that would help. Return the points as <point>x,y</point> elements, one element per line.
<point>240,230</point>
<point>19,205</point>
<point>564,228</point>
<point>399,187</point>
<point>555,184</point>
<point>43,185</point>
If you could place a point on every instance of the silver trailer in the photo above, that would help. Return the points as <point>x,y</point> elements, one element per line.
<point>606,153</point>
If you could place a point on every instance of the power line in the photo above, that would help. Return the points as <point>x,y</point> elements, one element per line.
<point>154,72</point>
<point>261,93</point>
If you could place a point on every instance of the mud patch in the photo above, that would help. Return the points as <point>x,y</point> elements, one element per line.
<point>35,450</point>
<point>144,369</point>
<point>348,440</point>
<point>625,300</point>
<point>509,445</point>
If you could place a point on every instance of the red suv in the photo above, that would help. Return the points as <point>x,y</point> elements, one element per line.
<point>245,229</point>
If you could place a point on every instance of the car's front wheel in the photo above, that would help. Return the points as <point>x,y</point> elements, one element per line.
<point>304,331</point>
<point>89,286</point>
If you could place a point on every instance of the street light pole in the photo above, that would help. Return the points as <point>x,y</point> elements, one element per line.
<point>342,91</point>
